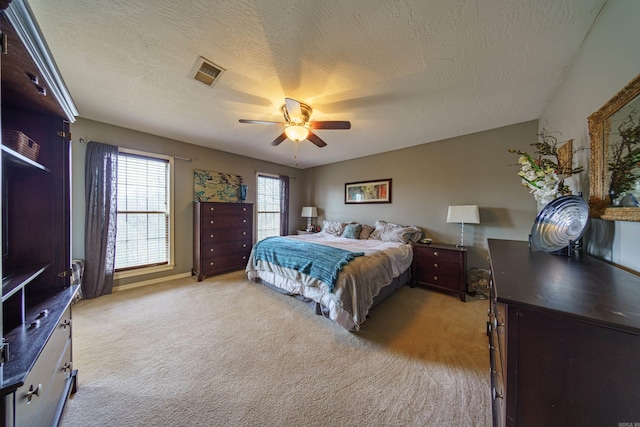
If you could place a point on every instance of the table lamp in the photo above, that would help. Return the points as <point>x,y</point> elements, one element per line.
<point>463,214</point>
<point>309,212</point>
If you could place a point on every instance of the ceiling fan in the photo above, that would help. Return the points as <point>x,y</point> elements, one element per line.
<point>298,127</point>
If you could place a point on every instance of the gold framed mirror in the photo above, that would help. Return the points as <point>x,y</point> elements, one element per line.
<point>614,175</point>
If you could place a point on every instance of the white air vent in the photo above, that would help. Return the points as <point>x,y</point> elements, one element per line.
<point>207,72</point>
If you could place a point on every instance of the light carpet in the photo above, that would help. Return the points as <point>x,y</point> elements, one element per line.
<point>230,352</point>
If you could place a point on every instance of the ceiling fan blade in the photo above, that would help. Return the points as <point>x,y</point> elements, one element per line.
<point>316,139</point>
<point>330,124</point>
<point>294,110</point>
<point>261,122</point>
<point>279,139</point>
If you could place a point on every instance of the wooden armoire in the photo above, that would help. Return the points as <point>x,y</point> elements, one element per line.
<point>37,372</point>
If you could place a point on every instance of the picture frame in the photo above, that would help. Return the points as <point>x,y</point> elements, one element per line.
<point>565,158</point>
<point>375,191</point>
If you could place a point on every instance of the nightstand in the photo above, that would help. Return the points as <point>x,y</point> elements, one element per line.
<point>440,266</point>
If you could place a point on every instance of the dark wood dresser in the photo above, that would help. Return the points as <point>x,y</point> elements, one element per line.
<point>222,237</point>
<point>564,339</point>
<point>440,266</point>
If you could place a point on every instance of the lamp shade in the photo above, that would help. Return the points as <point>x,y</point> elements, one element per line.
<point>309,212</point>
<point>464,214</point>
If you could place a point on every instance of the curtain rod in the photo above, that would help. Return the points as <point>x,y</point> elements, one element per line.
<point>186,159</point>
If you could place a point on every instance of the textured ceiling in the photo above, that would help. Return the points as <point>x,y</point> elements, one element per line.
<point>403,72</point>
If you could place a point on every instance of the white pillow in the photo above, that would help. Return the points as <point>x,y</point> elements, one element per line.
<point>390,232</point>
<point>333,228</point>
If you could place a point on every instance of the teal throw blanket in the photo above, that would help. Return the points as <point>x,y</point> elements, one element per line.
<point>318,261</point>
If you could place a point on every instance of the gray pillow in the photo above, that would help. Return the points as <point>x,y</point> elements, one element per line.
<point>352,231</point>
<point>365,232</point>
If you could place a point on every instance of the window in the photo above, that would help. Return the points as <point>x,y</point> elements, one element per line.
<point>268,206</point>
<point>143,237</point>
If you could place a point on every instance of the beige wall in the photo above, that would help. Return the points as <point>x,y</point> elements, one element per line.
<point>202,158</point>
<point>471,169</point>
<point>607,61</point>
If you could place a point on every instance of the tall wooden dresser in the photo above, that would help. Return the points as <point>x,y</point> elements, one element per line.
<point>36,373</point>
<point>222,237</point>
<point>564,339</point>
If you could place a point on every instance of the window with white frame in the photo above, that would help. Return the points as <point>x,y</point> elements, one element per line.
<point>268,206</point>
<point>143,237</point>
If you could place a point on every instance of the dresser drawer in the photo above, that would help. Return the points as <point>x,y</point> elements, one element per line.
<point>225,262</point>
<point>39,397</point>
<point>497,383</point>
<point>214,249</point>
<point>500,327</point>
<point>216,221</point>
<point>218,235</point>
<point>221,209</point>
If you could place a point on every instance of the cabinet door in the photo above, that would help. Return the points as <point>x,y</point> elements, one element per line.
<point>570,372</point>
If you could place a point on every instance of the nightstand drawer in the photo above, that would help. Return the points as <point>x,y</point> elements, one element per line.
<point>435,254</point>
<point>448,281</point>
<point>431,266</point>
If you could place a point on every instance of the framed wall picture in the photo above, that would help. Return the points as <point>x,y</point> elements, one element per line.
<point>565,158</point>
<point>211,186</point>
<point>378,191</point>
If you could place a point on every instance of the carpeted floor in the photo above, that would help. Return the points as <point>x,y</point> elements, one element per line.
<point>229,352</point>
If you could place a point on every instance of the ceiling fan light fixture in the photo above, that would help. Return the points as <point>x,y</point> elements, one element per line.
<point>296,133</point>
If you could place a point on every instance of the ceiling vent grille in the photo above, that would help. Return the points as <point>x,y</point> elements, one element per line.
<point>207,72</point>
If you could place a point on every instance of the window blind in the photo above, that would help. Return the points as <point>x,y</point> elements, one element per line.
<point>142,237</point>
<point>268,207</point>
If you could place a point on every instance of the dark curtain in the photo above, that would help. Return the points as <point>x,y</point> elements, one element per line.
<point>284,205</point>
<point>101,171</point>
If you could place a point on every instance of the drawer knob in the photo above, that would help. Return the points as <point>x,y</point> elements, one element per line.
<point>244,209</point>
<point>211,236</point>
<point>435,265</point>
<point>33,392</point>
<point>66,367</point>
<point>211,263</point>
<point>244,220</point>
<point>244,233</point>
<point>244,245</point>
<point>495,394</point>
<point>211,222</point>
<point>435,278</point>
<point>211,250</point>
<point>496,323</point>
<point>211,208</point>
<point>65,323</point>
<point>435,254</point>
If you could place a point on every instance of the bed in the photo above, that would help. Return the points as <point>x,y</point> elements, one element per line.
<point>342,271</point>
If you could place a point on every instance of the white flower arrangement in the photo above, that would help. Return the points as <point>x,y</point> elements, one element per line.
<point>545,184</point>
<point>544,175</point>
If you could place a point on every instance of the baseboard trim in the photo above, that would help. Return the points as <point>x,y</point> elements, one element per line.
<point>149,282</point>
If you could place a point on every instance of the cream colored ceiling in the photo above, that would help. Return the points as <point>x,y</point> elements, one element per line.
<point>403,72</point>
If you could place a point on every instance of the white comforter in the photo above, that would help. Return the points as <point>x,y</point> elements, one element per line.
<point>359,282</point>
